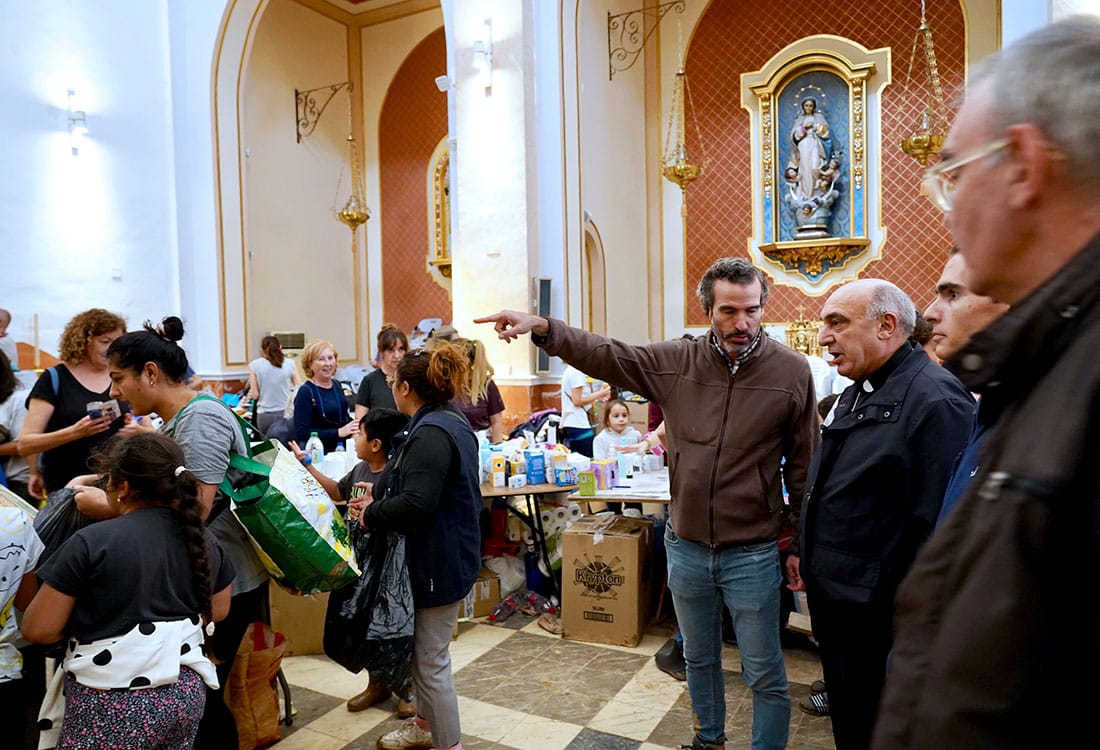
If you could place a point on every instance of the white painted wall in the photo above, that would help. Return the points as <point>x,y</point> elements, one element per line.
<point>97,229</point>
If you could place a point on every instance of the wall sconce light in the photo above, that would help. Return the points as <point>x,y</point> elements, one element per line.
<point>443,83</point>
<point>483,57</point>
<point>78,125</point>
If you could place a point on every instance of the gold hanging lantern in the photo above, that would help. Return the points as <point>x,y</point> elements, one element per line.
<point>355,211</point>
<point>676,166</point>
<point>931,130</point>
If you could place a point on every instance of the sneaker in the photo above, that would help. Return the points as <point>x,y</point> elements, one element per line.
<point>408,735</point>
<point>816,704</point>
<point>670,660</point>
<point>817,686</point>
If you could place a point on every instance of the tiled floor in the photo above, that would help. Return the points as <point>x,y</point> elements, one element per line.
<point>523,688</point>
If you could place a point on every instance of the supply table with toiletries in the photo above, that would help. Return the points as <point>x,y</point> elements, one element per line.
<point>532,518</point>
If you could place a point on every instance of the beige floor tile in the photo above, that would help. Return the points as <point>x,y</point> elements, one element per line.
<point>307,739</point>
<point>651,746</point>
<point>321,675</point>
<point>652,688</point>
<point>339,722</point>
<point>626,720</point>
<point>475,642</point>
<point>537,733</point>
<point>485,720</point>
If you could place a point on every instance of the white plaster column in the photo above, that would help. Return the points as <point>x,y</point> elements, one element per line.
<point>495,229</point>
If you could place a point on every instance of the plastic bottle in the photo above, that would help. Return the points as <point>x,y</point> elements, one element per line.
<point>539,602</point>
<point>316,450</point>
<point>504,610</point>
<point>350,459</point>
<point>533,574</point>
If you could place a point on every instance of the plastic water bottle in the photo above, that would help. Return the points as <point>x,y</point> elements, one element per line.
<point>350,459</point>
<point>539,602</point>
<point>504,610</point>
<point>316,450</point>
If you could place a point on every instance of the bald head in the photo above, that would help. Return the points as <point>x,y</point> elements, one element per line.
<point>863,323</point>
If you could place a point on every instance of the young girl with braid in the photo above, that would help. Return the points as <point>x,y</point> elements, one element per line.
<point>135,596</point>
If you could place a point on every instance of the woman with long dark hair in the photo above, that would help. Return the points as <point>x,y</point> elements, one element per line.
<point>148,368</point>
<point>134,665</point>
<point>374,391</point>
<point>432,495</point>
<point>270,380</point>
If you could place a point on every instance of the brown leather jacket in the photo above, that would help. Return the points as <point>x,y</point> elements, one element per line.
<point>997,638</point>
<point>733,441</point>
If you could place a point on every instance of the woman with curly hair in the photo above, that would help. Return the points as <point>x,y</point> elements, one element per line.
<point>134,664</point>
<point>431,494</point>
<point>58,424</point>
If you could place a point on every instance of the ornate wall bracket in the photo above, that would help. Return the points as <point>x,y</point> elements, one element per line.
<point>439,216</point>
<point>842,234</point>
<point>627,34</point>
<point>811,258</point>
<point>310,105</point>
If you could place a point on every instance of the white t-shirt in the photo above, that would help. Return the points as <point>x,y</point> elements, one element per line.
<point>12,413</point>
<point>571,415</point>
<point>275,384</point>
<point>21,550</point>
<point>604,444</point>
<point>7,345</point>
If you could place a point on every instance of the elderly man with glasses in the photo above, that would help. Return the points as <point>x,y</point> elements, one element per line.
<point>997,631</point>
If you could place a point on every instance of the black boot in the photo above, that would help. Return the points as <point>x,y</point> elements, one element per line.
<point>670,660</point>
<point>698,744</point>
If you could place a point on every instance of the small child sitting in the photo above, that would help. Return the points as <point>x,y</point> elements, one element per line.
<point>616,430</point>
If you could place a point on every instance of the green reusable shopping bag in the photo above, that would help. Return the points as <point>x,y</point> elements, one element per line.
<point>292,521</point>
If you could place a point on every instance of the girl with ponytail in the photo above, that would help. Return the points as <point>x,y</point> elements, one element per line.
<point>135,596</point>
<point>432,495</point>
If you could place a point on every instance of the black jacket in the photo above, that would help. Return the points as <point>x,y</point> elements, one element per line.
<point>432,494</point>
<point>997,637</point>
<point>877,481</point>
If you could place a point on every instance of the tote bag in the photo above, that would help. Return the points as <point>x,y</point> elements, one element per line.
<point>293,523</point>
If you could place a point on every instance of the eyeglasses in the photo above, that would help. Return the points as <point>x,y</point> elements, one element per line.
<point>939,182</point>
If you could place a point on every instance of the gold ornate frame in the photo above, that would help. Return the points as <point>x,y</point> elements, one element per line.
<point>816,265</point>
<point>439,215</point>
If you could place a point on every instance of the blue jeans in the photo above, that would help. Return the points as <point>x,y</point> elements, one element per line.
<point>747,578</point>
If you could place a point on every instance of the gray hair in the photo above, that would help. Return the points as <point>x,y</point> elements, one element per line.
<point>736,270</point>
<point>887,298</point>
<point>1051,78</point>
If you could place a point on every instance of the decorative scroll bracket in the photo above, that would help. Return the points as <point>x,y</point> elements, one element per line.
<point>630,27</point>
<point>308,106</point>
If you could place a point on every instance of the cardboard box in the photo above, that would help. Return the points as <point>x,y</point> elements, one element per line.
<point>300,618</point>
<point>605,574</point>
<point>482,597</point>
<point>639,415</point>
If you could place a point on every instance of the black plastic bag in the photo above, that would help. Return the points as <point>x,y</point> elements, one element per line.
<point>369,623</point>
<point>58,520</point>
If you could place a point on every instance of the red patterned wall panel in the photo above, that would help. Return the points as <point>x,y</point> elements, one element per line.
<point>734,37</point>
<point>412,122</point>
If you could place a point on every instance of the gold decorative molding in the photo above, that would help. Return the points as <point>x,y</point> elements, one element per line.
<point>857,133</point>
<point>439,215</point>
<point>810,256</point>
<point>767,151</point>
<point>802,334</point>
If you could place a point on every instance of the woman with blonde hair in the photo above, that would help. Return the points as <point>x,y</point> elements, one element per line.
<point>480,400</point>
<point>320,405</point>
<point>431,494</point>
<point>59,424</point>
